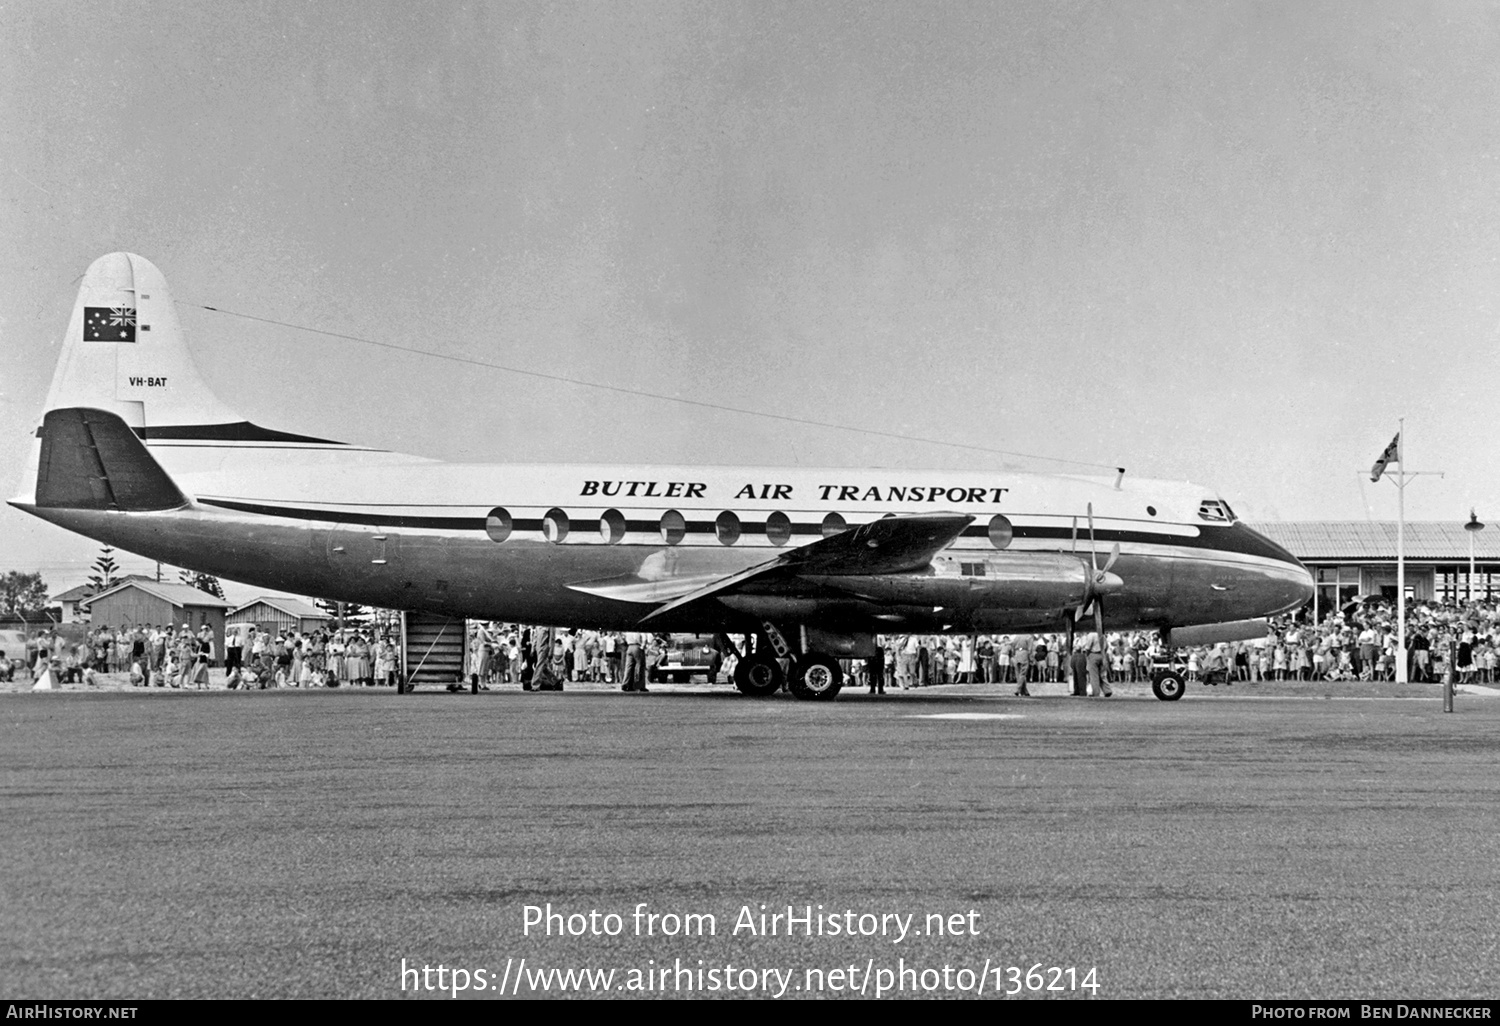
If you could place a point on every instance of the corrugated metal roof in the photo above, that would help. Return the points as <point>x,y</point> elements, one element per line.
<point>177,594</point>
<point>289,606</point>
<point>1428,540</point>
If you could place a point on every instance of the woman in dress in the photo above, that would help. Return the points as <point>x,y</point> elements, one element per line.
<point>351,660</point>
<point>335,659</point>
<point>364,664</point>
<point>205,647</point>
<point>296,674</point>
<point>186,655</point>
<point>385,662</point>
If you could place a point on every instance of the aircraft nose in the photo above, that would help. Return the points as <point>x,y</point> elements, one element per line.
<point>1305,587</point>
<point>1297,584</point>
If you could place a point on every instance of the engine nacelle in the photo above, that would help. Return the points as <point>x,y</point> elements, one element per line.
<point>1014,580</point>
<point>1214,633</point>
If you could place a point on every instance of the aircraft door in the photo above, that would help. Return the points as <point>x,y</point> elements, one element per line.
<point>358,552</point>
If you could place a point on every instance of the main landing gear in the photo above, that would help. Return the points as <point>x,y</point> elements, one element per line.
<point>813,676</point>
<point>816,676</point>
<point>758,675</point>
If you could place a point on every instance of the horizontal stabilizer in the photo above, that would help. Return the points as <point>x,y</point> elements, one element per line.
<point>891,545</point>
<point>90,459</point>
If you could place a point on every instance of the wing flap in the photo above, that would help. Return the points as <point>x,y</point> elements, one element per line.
<point>631,588</point>
<point>888,546</point>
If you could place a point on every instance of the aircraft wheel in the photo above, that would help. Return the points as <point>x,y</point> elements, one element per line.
<point>758,676</point>
<point>816,676</point>
<point>1168,685</point>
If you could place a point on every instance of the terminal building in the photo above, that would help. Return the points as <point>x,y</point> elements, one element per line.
<point>1353,558</point>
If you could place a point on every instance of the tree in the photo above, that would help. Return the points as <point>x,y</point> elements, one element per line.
<point>353,611</point>
<point>203,582</point>
<point>23,595</point>
<point>105,570</point>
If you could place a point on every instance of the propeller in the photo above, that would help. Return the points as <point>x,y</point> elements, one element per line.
<point>1098,579</point>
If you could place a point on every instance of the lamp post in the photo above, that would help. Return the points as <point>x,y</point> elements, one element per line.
<point>1474,526</point>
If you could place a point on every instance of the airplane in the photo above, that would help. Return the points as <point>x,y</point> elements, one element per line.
<point>136,451</point>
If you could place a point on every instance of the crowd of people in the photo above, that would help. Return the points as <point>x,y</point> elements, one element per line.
<point>544,659</point>
<point>179,657</point>
<point>1359,642</point>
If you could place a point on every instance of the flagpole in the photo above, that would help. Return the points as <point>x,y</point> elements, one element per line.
<point>1401,675</point>
<point>1396,453</point>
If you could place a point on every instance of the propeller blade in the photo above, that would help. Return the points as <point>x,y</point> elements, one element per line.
<point>1081,612</point>
<point>1069,621</point>
<point>1114,554</point>
<point>1099,623</point>
<point>1093,549</point>
<point>1075,534</point>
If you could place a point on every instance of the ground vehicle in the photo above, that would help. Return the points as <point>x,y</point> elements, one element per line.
<point>12,650</point>
<point>685,656</point>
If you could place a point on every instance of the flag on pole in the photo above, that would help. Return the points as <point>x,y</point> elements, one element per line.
<point>1392,454</point>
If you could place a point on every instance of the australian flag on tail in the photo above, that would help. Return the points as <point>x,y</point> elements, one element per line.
<point>1392,454</point>
<point>109,324</point>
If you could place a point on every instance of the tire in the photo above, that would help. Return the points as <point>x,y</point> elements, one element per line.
<point>1168,685</point>
<point>817,678</point>
<point>758,676</point>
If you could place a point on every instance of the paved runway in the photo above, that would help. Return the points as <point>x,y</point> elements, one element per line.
<point>303,844</point>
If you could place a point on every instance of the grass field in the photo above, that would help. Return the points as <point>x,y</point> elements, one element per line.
<point>288,843</point>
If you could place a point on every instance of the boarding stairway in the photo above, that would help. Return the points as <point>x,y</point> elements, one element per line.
<point>432,650</point>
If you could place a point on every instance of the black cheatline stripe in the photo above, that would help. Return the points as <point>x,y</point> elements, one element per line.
<point>346,517</point>
<point>244,431</point>
<point>1233,539</point>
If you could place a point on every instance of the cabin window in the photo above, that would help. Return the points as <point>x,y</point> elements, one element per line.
<point>971,569</point>
<point>833,524</point>
<point>778,529</point>
<point>498,524</point>
<point>673,527</point>
<point>612,526</point>
<point>727,527</point>
<point>555,525</point>
<point>1000,532</point>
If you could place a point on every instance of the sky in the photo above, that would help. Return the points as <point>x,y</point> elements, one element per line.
<point>1228,242</point>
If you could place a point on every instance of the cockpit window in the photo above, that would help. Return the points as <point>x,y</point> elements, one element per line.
<point>1215,511</point>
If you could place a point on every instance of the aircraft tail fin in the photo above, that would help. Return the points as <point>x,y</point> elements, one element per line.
<point>125,352</point>
<point>91,459</point>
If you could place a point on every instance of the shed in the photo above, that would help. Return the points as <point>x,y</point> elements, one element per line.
<point>72,603</point>
<point>147,604</point>
<point>277,614</point>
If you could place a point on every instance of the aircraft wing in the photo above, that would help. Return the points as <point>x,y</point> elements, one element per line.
<point>890,546</point>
